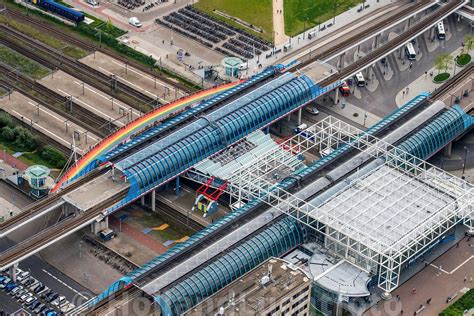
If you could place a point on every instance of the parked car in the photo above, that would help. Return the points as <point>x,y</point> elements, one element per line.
<point>52,297</point>
<point>312,110</point>
<point>20,293</point>
<point>30,300</point>
<point>40,287</point>
<point>10,286</point>
<point>15,290</point>
<point>39,308</point>
<point>59,301</point>
<point>25,296</point>
<point>34,304</point>
<point>4,282</point>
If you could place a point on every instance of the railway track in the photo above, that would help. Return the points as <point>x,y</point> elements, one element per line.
<point>177,217</point>
<point>72,223</point>
<point>462,75</point>
<point>90,46</point>
<point>54,101</point>
<point>39,206</point>
<point>382,51</point>
<point>54,59</point>
<point>327,51</point>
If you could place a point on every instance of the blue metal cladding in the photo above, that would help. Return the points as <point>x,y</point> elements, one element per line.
<point>167,163</point>
<point>273,241</point>
<point>286,183</point>
<point>426,142</point>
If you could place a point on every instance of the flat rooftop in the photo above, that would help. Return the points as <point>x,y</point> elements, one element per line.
<point>247,296</point>
<point>385,207</point>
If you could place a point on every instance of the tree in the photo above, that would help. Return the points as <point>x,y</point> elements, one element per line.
<point>443,62</point>
<point>5,120</point>
<point>468,42</point>
<point>8,134</point>
<point>24,139</point>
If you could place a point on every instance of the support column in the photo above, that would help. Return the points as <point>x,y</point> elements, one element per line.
<point>153,200</point>
<point>13,272</point>
<point>142,200</point>
<point>401,51</point>
<point>177,184</point>
<point>341,60</point>
<point>432,33</point>
<point>288,118</point>
<point>409,21</point>
<point>336,95</point>
<point>447,149</point>
<point>300,112</point>
<point>377,38</point>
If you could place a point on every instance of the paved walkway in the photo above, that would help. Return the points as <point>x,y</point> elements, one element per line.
<point>138,236</point>
<point>423,83</point>
<point>279,22</point>
<point>449,276</point>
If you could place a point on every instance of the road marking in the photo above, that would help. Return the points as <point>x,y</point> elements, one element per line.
<point>455,269</point>
<point>66,285</point>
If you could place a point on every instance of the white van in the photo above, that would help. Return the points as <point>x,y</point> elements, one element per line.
<point>359,79</point>
<point>244,66</point>
<point>135,22</point>
<point>286,47</point>
<point>311,34</point>
<point>92,2</point>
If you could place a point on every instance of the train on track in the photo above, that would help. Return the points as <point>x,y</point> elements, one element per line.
<point>60,9</point>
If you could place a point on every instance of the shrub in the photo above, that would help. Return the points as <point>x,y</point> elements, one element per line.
<point>463,60</point>
<point>8,134</point>
<point>5,120</point>
<point>54,157</point>
<point>24,139</point>
<point>441,77</point>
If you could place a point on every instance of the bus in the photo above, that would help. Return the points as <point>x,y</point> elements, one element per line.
<point>359,79</point>
<point>410,51</point>
<point>440,30</point>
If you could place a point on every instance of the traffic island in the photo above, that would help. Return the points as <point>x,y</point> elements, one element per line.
<point>463,60</point>
<point>442,77</point>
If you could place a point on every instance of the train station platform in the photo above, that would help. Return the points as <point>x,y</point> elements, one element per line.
<point>96,191</point>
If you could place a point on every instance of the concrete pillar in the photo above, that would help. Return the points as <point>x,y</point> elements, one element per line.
<point>410,21</point>
<point>336,95</point>
<point>96,227</point>
<point>288,118</point>
<point>13,272</point>
<point>177,183</point>
<point>401,51</point>
<point>432,33</point>
<point>377,39</point>
<point>300,112</point>
<point>447,149</point>
<point>153,200</point>
<point>142,200</point>
<point>341,60</point>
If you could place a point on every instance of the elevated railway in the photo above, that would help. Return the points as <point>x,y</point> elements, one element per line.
<point>152,273</point>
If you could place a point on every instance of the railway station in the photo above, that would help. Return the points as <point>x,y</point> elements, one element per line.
<point>329,173</point>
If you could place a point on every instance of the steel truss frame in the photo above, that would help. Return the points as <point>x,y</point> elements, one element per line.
<point>251,181</point>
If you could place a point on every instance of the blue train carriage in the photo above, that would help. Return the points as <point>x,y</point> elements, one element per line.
<point>61,10</point>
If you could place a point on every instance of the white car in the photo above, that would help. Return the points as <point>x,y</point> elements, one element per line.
<point>30,300</point>
<point>59,301</point>
<point>135,22</point>
<point>25,296</point>
<point>312,110</point>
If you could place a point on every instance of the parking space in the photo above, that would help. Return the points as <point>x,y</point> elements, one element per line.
<point>40,288</point>
<point>30,294</point>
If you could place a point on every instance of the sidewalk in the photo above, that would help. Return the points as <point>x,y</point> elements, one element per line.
<point>423,83</point>
<point>279,22</point>
<point>355,114</point>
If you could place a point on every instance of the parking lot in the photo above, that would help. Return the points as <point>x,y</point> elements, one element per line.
<point>40,289</point>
